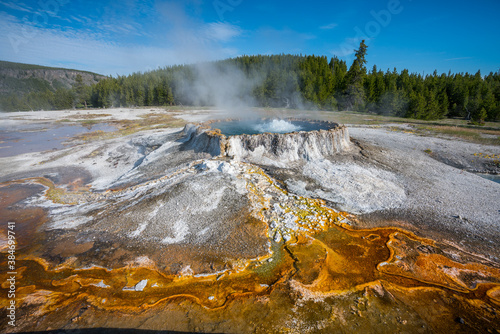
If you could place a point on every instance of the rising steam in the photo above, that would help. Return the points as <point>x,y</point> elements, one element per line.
<point>222,85</point>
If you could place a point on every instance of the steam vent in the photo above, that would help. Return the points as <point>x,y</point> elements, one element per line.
<point>275,141</point>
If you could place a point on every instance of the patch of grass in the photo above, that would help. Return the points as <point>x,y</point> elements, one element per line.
<point>465,133</point>
<point>55,157</point>
<point>398,129</point>
<point>92,135</point>
<point>428,151</point>
<point>488,134</point>
<point>359,118</point>
<point>127,127</point>
<point>88,116</point>
<point>94,153</point>
<point>347,117</point>
<point>89,122</point>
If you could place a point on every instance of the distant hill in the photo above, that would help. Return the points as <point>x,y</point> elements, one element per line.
<point>19,79</point>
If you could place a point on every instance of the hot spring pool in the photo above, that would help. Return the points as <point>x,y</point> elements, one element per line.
<point>252,127</point>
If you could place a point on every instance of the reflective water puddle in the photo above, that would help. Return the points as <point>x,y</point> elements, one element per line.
<point>41,137</point>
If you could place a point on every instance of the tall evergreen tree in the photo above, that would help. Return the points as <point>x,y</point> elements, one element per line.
<point>355,98</point>
<point>82,91</point>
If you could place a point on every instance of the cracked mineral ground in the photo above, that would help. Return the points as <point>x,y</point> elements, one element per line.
<point>162,222</point>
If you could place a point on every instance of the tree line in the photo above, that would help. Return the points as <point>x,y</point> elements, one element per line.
<point>292,81</point>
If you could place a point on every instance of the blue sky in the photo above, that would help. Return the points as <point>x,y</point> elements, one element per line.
<point>121,37</point>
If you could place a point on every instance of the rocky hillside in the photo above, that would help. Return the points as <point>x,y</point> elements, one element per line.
<point>24,78</point>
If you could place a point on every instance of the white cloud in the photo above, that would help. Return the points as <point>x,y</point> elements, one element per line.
<point>5,18</point>
<point>329,26</point>
<point>222,32</point>
<point>459,58</point>
<point>342,52</point>
<point>74,18</point>
<point>17,6</point>
<point>97,53</point>
<point>124,28</point>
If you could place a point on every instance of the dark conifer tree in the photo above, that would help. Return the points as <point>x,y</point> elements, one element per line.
<point>355,97</point>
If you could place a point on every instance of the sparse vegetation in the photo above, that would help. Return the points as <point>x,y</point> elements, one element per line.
<point>89,122</point>
<point>464,133</point>
<point>488,134</point>
<point>127,127</point>
<point>88,116</point>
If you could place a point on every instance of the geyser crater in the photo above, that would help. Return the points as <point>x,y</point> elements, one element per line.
<point>275,125</point>
<point>269,141</point>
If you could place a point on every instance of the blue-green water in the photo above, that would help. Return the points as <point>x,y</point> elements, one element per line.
<point>252,127</point>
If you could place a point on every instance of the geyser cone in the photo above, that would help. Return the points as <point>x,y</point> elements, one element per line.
<point>270,141</point>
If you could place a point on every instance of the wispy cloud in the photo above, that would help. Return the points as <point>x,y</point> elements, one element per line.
<point>307,36</point>
<point>458,58</point>
<point>98,52</point>
<point>86,53</point>
<point>342,52</point>
<point>17,6</point>
<point>329,26</point>
<point>7,19</point>
<point>79,19</point>
<point>123,28</point>
<point>222,32</point>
